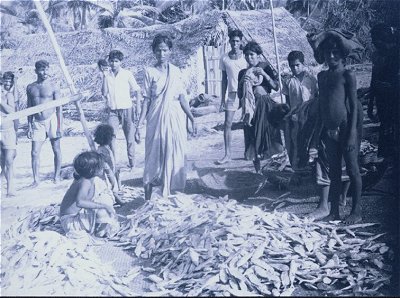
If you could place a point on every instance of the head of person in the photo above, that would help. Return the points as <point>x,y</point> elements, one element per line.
<point>103,64</point>
<point>104,134</point>
<point>296,62</point>
<point>8,80</point>
<point>252,52</point>
<point>161,47</point>
<point>382,36</point>
<point>88,165</point>
<point>42,69</point>
<point>333,52</point>
<point>235,39</point>
<point>115,58</point>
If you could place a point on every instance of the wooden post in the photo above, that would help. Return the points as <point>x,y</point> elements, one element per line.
<point>276,50</point>
<point>44,106</point>
<point>64,69</point>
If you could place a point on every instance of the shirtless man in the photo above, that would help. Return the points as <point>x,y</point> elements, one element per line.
<point>8,142</point>
<point>46,124</point>
<point>231,63</point>
<point>340,126</point>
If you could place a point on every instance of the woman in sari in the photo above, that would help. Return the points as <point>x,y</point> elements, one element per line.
<point>262,134</point>
<point>165,110</point>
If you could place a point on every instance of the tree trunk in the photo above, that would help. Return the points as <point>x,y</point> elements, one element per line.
<point>77,17</point>
<point>84,17</point>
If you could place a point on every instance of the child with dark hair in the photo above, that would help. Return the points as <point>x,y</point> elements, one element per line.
<point>87,207</point>
<point>103,136</point>
<point>103,65</point>
<point>301,93</point>
<point>339,122</point>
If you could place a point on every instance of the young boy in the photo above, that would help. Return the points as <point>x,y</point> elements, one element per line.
<point>8,142</point>
<point>301,93</point>
<point>339,121</point>
<point>87,207</point>
<point>45,124</point>
<point>117,88</point>
<point>231,63</point>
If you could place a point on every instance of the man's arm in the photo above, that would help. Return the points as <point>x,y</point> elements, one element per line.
<point>135,93</point>
<point>224,86</point>
<point>351,93</point>
<point>56,95</point>
<point>29,104</point>
<point>7,105</point>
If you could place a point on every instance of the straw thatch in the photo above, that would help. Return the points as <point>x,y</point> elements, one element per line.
<point>82,49</point>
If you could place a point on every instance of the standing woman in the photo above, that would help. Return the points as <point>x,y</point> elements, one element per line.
<point>165,109</point>
<point>255,85</point>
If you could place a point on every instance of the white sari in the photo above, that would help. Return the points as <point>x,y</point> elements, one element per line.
<point>166,134</point>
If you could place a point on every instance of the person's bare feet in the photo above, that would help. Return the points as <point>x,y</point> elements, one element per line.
<point>342,201</point>
<point>257,165</point>
<point>353,218</point>
<point>56,180</point>
<point>34,184</point>
<point>332,217</point>
<point>320,213</point>
<point>10,194</point>
<point>224,160</point>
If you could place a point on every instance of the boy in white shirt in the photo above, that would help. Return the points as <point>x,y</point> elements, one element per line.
<point>231,63</point>
<point>117,88</point>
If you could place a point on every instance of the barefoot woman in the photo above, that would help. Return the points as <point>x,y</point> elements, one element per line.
<point>165,108</point>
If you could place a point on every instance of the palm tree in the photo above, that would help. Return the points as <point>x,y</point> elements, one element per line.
<point>117,13</point>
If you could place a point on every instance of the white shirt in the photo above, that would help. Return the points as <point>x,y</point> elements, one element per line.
<point>119,89</point>
<point>232,68</point>
<point>300,91</point>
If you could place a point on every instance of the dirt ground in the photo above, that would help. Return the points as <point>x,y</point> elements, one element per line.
<point>240,181</point>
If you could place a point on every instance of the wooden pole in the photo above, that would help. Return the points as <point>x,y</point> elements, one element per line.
<point>64,69</point>
<point>276,50</point>
<point>44,106</point>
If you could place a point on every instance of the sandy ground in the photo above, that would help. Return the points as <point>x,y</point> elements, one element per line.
<point>203,151</point>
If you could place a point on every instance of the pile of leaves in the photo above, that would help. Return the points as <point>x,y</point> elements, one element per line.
<point>206,246</point>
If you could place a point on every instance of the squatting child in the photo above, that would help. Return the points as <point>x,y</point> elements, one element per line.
<point>87,207</point>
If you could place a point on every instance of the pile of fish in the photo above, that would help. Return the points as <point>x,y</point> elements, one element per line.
<point>39,261</point>
<point>200,245</point>
<point>366,147</point>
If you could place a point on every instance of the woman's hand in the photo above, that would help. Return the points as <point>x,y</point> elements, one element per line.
<point>137,135</point>
<point>259,71</point>
<point>194,128</point>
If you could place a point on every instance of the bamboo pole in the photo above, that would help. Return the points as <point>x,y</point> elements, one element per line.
<point>64,69</point>
<point>44,106</point>
<point>276,50</point>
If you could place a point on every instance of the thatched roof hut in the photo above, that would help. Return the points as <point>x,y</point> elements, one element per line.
<point>192,37</point>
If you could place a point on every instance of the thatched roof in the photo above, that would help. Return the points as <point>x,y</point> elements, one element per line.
<point>258,24</point>
<point>82,49</point>
<point>86,47</point>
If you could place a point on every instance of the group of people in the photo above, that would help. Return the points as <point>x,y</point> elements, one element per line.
<point>322,118</point>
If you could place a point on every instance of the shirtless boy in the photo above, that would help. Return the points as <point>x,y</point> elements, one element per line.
<point>231,63</point>
<point>8,142</point>
<point>46,124</point>
<point>340,126</point>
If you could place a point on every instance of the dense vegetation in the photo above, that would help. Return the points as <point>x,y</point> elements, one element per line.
<point>19,17</point>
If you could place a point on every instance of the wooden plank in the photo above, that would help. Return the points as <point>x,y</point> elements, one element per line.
<point>39,108</point>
